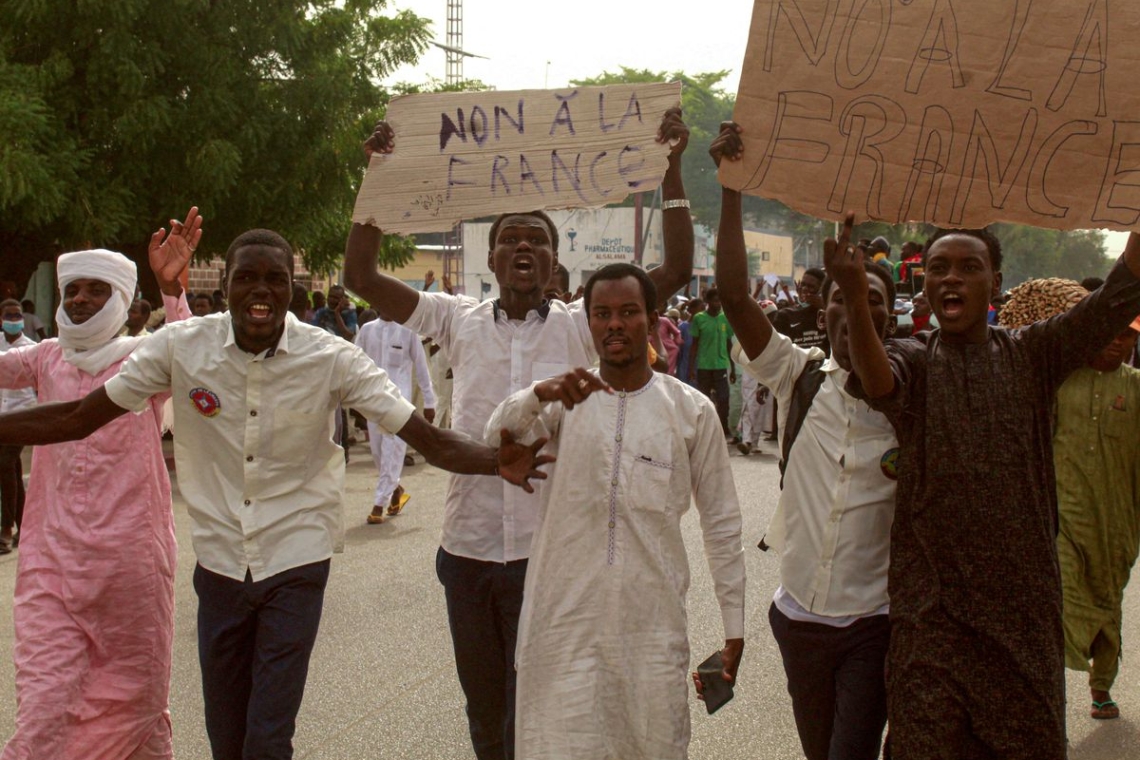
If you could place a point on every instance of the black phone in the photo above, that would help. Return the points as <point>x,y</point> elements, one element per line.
<point>717,691</point>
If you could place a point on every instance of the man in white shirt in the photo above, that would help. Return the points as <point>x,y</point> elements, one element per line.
<point>11,466</point>
<point>254,392</point>
<point>398,351</point>
<point>603,643</point>
<point>832,525</point>
<point>497,348</point>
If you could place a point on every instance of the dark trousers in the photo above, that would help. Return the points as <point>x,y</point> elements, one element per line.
<point>11,487</point>
<point>254,642</point>
<point>836,679</point>
<point>484,600</point>
<point>714,384</point>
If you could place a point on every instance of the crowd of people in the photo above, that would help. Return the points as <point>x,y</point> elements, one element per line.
<point>579,429</point>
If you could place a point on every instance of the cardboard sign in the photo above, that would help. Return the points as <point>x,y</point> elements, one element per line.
<point>954,112</point>
<point>470,154</point>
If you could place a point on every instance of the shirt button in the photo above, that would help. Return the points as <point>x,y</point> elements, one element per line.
<point>249,459</point>
<point>247,502</point>
<point>614,482</point>
<point>612,523</point>
<point>618,436</point>
<point>253,413</point>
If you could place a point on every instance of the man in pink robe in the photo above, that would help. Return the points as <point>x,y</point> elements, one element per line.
<point>94,601</point>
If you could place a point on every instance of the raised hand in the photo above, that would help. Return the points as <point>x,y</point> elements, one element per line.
<point>429,279</point>
<point>519,463</point>
<point>673,128</point>
<point>170,253</point>
<point>447,288</point>
<point>844,262</point>
<point>382,140</point>
<point>728,143</point>
<point>572,388</point>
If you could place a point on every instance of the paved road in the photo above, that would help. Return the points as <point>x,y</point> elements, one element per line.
<point>382,681</point>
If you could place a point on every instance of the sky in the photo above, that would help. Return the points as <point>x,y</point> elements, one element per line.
<point>531,45</point>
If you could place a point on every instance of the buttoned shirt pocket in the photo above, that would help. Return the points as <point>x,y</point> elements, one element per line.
<point>296,433</point>
<point>649,482</point>
<point>1118,424</point>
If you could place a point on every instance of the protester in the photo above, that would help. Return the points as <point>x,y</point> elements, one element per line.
<point>1097,457</point>
<point>262,479</point>
<point>833,521</point>
<point>685,356</point>
<point>12,494</point>
<point>398,351</point>
<point>94,599</point>
<point>670,336</point>
<point>710,364</point>
<point>498,347</point>
<point>137,317</point>
<point>603,642</point>
<point>801,322</point>
<point>975,605</point>
<point>201,305</point>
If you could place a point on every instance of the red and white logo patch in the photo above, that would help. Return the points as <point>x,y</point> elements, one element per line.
<point>206,402</point>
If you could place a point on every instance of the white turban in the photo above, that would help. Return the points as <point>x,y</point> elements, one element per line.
<point>93,346</point>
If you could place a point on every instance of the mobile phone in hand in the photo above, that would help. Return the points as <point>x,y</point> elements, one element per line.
<point>717,691</point>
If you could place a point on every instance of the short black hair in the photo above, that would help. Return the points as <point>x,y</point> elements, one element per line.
<point>872,268</point>
<point>620,272</point>
<point>815,272</point>
<point>268,238</point>
<point>710,294</point>
<point>144,305</point>
<point>539,214</point>
<point>1089,283</point>
<point>26,304</point>
<point>563,275</point>
<point>993,245</point>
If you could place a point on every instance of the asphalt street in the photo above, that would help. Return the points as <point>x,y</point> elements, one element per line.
<point>382,681</point>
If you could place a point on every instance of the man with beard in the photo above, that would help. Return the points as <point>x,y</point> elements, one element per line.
<point>603,641</point>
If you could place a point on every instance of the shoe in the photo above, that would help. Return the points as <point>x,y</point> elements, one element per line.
<point>5,548</point>
<point>409,460</point>
<point>394,509</point>
<point>1106,710</point>
<point>374,518</point>
<point>744,447</point>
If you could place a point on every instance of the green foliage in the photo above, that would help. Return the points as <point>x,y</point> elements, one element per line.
<point>131,111</point>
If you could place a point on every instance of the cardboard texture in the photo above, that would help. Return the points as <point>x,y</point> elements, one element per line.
<point>954,112</point>
<point>465,155</point>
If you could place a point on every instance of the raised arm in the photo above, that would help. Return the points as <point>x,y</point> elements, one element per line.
<point>56,423</point>
<point>869,361</point>
<point>677,225</point>
<point>748,321</point>
<point>394,300</point>
<point>169,256</point>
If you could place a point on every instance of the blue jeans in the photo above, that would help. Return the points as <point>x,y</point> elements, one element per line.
<point>837,683</point>
<point>254,643</point>
<point>484,600</point>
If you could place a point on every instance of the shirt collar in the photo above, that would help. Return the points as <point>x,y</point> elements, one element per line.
<point>543,310</point>
<point>282,342</point>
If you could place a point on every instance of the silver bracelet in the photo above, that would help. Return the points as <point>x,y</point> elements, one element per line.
<point>679,203</point>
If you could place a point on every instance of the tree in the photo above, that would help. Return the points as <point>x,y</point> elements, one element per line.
<point>131,111</point>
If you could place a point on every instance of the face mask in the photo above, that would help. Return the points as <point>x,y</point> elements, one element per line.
<point>14,328</point>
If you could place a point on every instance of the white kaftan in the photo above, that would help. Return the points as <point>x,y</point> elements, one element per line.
<point>603,647</point>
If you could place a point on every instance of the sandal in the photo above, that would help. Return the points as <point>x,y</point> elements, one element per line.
<point>1106,710</point>
<point>394,509</point>
<point>374,518</point>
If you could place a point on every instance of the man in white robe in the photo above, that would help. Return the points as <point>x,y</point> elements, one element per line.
<point>603,644</point>
<point>397,350</point>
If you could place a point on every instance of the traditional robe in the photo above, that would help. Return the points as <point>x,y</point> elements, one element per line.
<point>603,646</point>
<point>1097,451</point>
<point>976,664</point>
<point>94,602</point>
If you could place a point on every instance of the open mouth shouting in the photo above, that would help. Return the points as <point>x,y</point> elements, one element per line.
<point>259,313</point>
<point>953,305</point>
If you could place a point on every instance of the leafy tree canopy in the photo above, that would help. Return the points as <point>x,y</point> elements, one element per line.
<point>131,111</point>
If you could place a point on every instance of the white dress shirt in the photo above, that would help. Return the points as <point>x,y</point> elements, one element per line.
<point>256,462</point>
<point>491,358</point>
<point>397,350</point>
<point>832,526</point>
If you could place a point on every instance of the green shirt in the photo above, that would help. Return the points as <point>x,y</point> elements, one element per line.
<point>713,333</point>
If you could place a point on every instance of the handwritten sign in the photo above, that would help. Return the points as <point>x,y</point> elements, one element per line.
<point>955,112</point>
<point>464,155</point>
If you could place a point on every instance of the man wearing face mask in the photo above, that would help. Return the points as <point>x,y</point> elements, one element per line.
<point>11,468</point>
<point>94,597</point>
